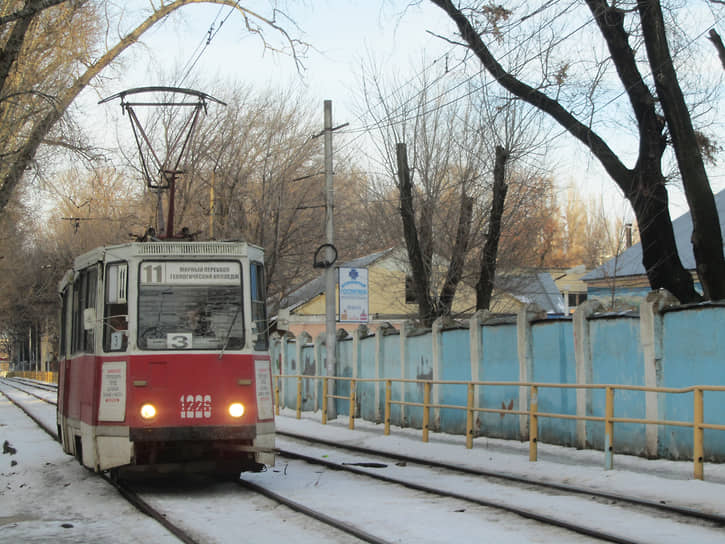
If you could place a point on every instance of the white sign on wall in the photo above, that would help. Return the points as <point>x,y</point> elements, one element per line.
<point>353,295</point>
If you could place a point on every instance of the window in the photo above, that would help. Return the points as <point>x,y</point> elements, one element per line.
<point>64,322</point>
<point>259,306</point>
<point>410,297</point>
<point>575,299</point>
<point>90,304</point>
<point>84,298</point>
<point>115,312</point>
<point>190,305</point>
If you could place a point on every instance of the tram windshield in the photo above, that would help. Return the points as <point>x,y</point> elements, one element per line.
<point>190,305</point>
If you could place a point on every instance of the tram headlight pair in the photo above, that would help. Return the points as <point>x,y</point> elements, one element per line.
<point>148,411</point>
<point>236,409</point>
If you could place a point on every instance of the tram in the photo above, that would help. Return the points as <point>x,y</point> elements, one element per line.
<point>164,362</point>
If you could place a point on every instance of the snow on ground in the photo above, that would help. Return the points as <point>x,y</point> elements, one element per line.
<point>46,496</point>
<point>659,480</point>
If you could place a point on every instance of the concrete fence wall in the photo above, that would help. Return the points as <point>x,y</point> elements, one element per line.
<point>663,346</point>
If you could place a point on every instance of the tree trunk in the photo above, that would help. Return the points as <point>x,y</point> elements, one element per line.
<point>458,256</point>
<point>421,283</point>
<point>706,233</point>
<point>9,54</point>
<point>487,270</point>
<point>650,206</point>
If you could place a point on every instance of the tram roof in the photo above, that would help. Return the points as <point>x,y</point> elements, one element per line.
<point>169,249</point>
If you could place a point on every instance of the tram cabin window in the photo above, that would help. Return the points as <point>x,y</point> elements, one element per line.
<point>190,305</point>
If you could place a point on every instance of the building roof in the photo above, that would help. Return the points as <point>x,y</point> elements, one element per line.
<point>309,290</point>
<point>536,287</point>
<point>629,262</point>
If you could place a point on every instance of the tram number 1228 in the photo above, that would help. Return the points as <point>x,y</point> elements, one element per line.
<point>195,406</point>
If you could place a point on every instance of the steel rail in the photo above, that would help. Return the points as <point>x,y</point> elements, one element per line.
<point>315,514</point>
<point>8,382</point>
<point>125,492</point>
<point>529,514</point>
<point>33,383</point>
<point>636,501</point>
<point>145,508</point>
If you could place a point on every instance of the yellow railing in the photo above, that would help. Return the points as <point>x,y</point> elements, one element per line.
<point>49,377</point>
<point>698,424</point>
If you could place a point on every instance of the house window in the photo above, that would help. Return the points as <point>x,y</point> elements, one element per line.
<point>410,297</point>
<point>575,299</point>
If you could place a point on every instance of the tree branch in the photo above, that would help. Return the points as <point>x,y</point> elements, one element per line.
<point>714,37</point>
<point>582,132</point>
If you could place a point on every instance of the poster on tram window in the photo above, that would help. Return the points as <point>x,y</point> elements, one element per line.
<point>112,401</point>
<point>353,295</point>
<point>265,398</point>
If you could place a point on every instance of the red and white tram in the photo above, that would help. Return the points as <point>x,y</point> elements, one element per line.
<point>164,359</point>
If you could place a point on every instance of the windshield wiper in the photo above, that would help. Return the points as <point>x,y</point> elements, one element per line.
<point>229,332</point>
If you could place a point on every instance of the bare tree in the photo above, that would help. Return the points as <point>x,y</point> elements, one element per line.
<point>643,184</point>
<point>70,36</point>
<point>435,190</point>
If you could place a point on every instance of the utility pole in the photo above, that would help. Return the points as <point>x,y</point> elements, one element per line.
<point>330,332</point>
<point>212,203</point>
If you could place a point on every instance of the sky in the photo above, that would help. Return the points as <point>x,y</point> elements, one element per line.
<point>46,495</point>
<point>398,34</point>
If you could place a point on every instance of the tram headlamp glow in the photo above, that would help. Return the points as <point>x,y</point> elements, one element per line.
<point>236,409</point>
<point>148,411</point>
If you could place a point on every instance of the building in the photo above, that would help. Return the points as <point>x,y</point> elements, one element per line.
<point>391,299</point>
<point>621,283</point>
<point>569,282</point>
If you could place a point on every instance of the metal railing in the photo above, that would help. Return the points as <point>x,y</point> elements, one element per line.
<point>698,425</point>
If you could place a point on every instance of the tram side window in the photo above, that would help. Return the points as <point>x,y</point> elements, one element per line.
<point>64,322</point>
<point>115,311</point>
<point>76,317</point>
<point>84,298</point>
<point>259,306</point>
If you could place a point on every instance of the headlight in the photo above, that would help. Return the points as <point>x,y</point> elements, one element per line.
<point>148,411</point>
<point>236,409</point>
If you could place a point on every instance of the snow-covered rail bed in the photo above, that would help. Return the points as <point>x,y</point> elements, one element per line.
<point>44,392</point>
<point>384,511</point>
<point>608,517</point>
<point>54,498</point>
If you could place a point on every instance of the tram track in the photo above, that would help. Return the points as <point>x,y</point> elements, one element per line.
<point>35,383</point>
<point>369,463</point>
<point>126,492</point>
<point>523,512</point>
<point>668,509</point>
<point>17,382</point>
<point>164,516</point>
<point>621,506</point>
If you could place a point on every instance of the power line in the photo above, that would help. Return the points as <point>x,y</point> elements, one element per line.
<point>205,42</point>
